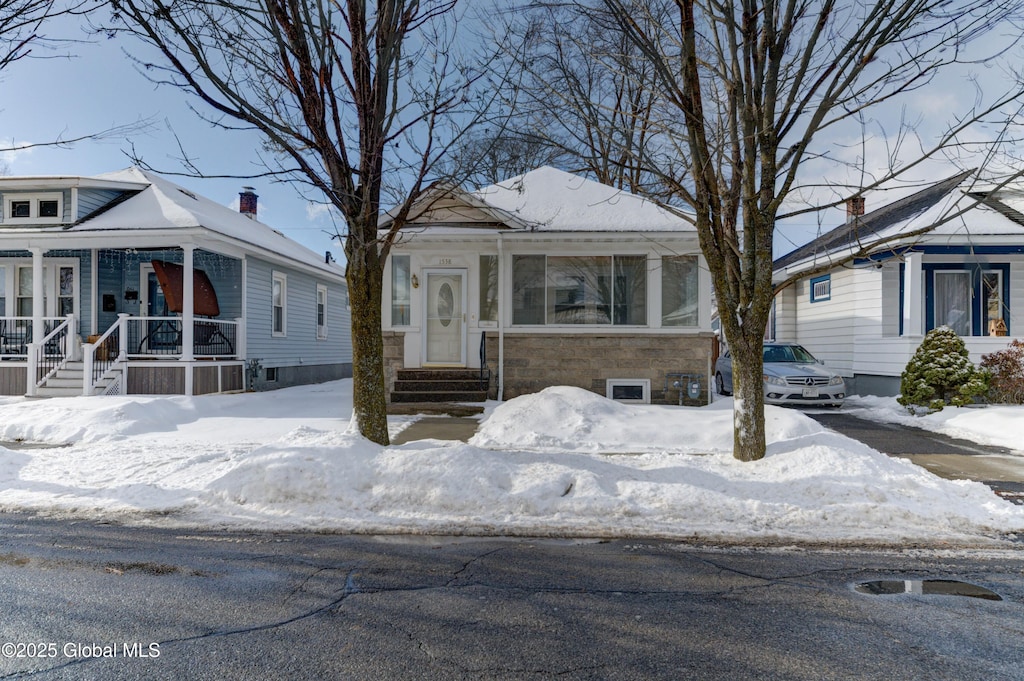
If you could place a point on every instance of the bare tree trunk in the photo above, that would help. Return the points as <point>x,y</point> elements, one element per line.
<point>369,399</point>
<point>749,440</point>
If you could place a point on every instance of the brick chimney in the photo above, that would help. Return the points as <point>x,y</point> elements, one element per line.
<point>247,202</point>
<point>854,207</point>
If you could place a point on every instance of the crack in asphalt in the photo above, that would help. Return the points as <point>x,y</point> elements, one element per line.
<point>348,590</point>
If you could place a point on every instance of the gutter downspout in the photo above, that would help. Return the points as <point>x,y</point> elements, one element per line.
<point>502,306</point>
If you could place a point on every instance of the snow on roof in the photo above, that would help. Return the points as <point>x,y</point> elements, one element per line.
<point>164,205</point>
<point>552,200</point>
<point>955,214</point>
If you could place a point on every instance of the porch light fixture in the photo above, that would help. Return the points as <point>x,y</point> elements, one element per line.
<point>415,281</point>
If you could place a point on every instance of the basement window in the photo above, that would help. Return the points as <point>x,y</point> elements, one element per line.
<point>634,390</point>
<point>271,374</point>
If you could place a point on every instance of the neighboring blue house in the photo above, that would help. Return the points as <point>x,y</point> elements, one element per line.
<point>952,255</point>
<point>126,283</point>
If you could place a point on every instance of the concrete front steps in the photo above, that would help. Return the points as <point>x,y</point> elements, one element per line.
<point>438,391</point>
<point>67,382</point>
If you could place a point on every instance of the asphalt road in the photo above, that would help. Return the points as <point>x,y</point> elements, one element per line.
<point>89,601</point>
<point>952,458</point>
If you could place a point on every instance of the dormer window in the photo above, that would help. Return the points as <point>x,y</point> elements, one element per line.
<point>36,209</point>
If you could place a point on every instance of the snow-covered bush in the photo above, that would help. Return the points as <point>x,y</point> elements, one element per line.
<point>940,373</point>
<point>1006,368</point>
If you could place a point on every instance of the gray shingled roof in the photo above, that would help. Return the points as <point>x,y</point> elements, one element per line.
<point>858,231</point>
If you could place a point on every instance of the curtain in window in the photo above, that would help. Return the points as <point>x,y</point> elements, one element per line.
<point>953,301</point>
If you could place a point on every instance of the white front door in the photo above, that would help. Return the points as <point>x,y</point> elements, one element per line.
<point>445,336</point>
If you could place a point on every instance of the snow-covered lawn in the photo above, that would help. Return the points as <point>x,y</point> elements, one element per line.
<point>562,462</point>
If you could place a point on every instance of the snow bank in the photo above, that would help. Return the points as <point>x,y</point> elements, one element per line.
<point>563,462</point>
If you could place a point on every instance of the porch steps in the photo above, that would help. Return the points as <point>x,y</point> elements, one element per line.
<point>67,382</point>
<point>439,385</point>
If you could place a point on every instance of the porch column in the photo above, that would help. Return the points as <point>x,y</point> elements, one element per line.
<point>913,308</point>
<point>38,296</point>
<point>188,305</point>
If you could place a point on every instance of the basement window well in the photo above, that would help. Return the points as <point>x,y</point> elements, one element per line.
<point>635,390</point>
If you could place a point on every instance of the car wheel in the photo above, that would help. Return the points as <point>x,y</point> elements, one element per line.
<point>720,385</point>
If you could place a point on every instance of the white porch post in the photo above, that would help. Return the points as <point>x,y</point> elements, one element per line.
<point>188,313</point>
<point>38,295</point>
<point>94,292</point>
<point>913,307</point>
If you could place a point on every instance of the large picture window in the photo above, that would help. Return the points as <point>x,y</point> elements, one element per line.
<point>680,302</point>
<point>579,290</point>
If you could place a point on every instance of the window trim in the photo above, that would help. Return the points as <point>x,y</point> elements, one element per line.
<point>34,200</point>
<point>283,278</point>
<point>975,270</point>
<point>321,329</point>
<point>825,295</point>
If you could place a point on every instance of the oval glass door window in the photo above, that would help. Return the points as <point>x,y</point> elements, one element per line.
<point>445,304</point>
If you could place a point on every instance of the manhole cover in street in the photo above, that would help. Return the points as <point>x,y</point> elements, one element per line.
<point>927,587</point>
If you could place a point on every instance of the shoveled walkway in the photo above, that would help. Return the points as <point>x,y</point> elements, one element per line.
<point>438,428</point>
<point>947,457</point>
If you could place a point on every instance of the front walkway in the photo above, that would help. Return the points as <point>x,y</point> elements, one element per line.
<point>438,428</point>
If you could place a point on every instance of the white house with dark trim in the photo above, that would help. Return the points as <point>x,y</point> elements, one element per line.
<point>867,318</point>
<point>547,279</point>
<point>128,283</point>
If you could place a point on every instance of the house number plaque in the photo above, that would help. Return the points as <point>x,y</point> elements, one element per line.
<point>445,261</point>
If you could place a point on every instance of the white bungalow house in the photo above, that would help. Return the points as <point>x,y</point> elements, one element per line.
<point>546,279</point>
<point>867,318</point>
<point>128,283</point>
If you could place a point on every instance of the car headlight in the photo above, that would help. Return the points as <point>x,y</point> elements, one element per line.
<point>774,380</point>
<point>836,380</point>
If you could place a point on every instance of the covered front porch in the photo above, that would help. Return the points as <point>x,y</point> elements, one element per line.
<point>104,321</point>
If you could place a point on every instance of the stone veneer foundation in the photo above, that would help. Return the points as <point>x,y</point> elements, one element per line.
<point>536,361</point>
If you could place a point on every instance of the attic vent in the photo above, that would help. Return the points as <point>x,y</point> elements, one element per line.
<point>188,194</point>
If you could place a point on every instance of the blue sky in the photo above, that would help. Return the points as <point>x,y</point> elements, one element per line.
<point>98,89</point>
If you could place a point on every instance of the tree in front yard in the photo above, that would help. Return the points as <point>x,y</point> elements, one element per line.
<point>940,373</point>
<point>356,100</point>
<point>751,91</point>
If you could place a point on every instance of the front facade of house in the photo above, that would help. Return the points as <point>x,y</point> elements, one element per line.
<point>550,279</point>
<point>867,319</point>
<point>83,309</point>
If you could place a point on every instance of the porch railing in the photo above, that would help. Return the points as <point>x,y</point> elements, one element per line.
<point>161,337</point>
<point>16,335</point>
<point>49,355</point>
<point>101,357</point>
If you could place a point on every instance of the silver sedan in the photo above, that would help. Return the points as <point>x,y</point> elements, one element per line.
<point>791,376</point>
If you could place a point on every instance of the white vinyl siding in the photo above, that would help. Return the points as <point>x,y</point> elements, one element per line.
<point>826,327</point>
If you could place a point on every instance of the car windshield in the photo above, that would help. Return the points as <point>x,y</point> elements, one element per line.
<point>787,353</point>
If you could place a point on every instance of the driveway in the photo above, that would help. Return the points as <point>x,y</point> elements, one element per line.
<point>950,458</point>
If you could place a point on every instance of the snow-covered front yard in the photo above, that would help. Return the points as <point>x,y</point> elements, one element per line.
<point>563,462</point>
